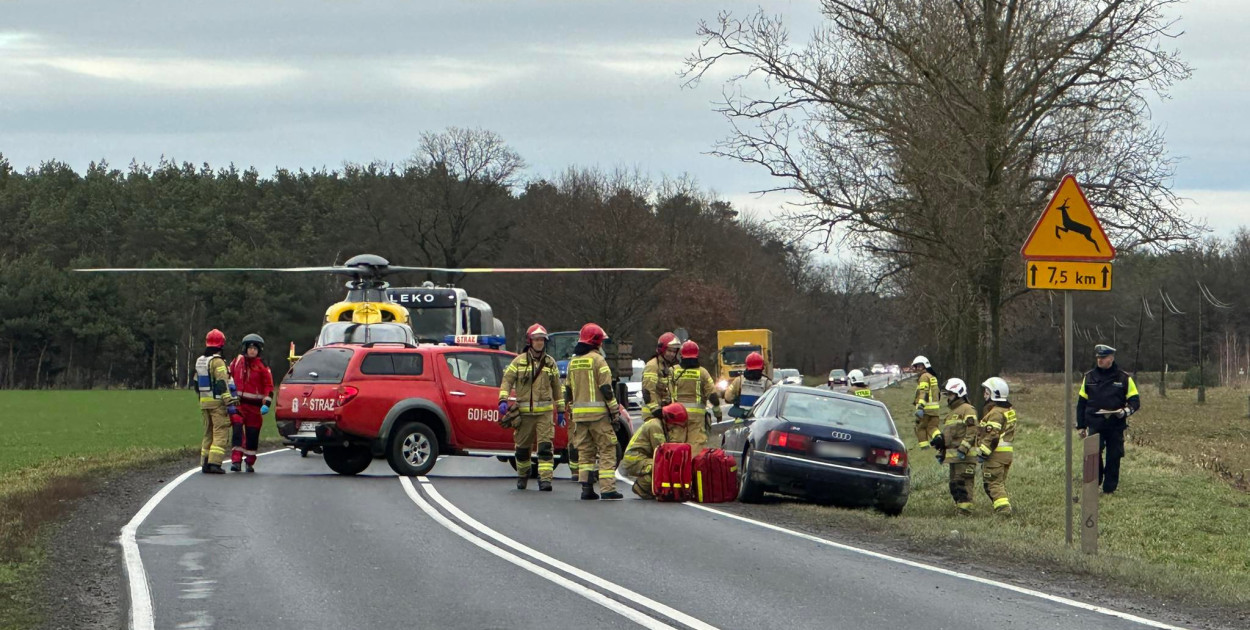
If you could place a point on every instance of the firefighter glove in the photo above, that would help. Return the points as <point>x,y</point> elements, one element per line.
<point>938,442</point>
<point>560,419</point>
<point>717,412</point>
<point>919,412</point>
<point>940,457</point>
<point>232,410</point>
<point>503,407</point>
<point>264,409</point>
<point>981,459</point>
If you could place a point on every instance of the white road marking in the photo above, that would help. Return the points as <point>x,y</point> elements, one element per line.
<point>141,615</point>
<point>955,574</point>
<point>637,598</point>
<point>590,594</point>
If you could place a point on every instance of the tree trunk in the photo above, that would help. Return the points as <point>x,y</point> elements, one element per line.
<point>70,382</point>
<point>153,364</point>
<point>43,350</point>
<point>12,360</point>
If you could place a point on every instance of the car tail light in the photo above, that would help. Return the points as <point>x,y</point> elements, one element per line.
<point>886,457</point>
<point>346,394</point>
<point>789,441</point>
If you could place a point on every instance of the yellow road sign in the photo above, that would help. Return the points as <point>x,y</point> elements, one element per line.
<point>1066,275</point>
<point>1068,229</point>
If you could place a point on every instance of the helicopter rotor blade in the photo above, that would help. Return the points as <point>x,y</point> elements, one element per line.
<point>529,269</point>
<point>347,271</point>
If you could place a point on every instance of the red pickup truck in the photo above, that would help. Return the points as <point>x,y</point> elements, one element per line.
<point>407,404</point>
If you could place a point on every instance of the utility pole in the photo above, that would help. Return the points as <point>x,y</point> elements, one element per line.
<point>1163,359</point>
<point>1202,374</point>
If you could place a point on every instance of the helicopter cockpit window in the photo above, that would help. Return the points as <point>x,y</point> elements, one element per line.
<point>346,332</point>
<point>432,324</point>
<point>477,368</point>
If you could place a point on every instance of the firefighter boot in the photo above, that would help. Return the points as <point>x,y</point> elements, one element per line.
<point>204,465</point>
<point>544,485</point>
<point>588,491</point>
<point>215,469</point>
<point>521,482</point>
<point>612,495</point>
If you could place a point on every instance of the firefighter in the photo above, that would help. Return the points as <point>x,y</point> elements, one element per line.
<point>993,449</point>
<point>926,402</point>
<point>1108,397</point>
<point>217,402</point>
<point>858,385</point>
<point>693,387</point>
<point>255,385</point>
<point>536,379</point>
<point>596,413</point>
<point>656,375</point>
<point>954,444</point>
<point>640,454</point>
<point>747,387</point>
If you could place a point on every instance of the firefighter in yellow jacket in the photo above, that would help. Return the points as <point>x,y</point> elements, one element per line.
<point>955,444</point>
<point>994,442</point>
<point>693,387</point>
<point>596,413</point>
<point>748,387</point>
<point>657,374</point>
<point>217,402</point>
<point>928,407</point>
<point>640,454</point>
<point>858,385</point>
<point>534,376</point>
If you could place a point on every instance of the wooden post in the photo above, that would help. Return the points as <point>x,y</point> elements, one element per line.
<point>1089,497</point>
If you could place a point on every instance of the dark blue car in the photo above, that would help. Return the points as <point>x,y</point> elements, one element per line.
<point>826,446</point>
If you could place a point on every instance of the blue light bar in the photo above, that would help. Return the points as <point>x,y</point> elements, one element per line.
<point>494,342</point>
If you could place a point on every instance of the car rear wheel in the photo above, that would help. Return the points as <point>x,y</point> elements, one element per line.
<point>749,491</point>
<point>413,450</point>
<point>348,460</point>
<point>892,508</point>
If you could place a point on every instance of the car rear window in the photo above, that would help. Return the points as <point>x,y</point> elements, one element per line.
<point>321,365</point>
<point>836,412</point>
<point>392,364</point>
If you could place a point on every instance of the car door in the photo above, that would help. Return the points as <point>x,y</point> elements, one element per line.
<point>471,386</point>
<point>737,432</point>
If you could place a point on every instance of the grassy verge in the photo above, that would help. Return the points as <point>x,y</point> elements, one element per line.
<point>1176,526</point>
<point>57,446</point>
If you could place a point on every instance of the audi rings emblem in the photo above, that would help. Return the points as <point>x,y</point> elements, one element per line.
<point>838,435</point>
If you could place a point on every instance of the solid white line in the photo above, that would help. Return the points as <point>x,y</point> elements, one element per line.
<point>955,574</point>
<point>637,598</point>
<point>586,592</point>
<point>141,614</point>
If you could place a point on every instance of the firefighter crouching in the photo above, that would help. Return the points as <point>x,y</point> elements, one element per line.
<point>994,449</point>
<point>955,443</point>
<point>536,379</point>
<point>858,385</point>
<point>640,454</point>
<point>656,376</point>
<point>217,402</point>
<point>255,386</point>
<point>694,388</point>
<point>927,406</point>
<point>747,387</point>
<point>595,410</point>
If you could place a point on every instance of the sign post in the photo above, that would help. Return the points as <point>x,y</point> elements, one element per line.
<point>1069,251</point>
<point>1089,496</point>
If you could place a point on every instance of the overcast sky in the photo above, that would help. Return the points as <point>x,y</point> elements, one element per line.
<point>312,84</point>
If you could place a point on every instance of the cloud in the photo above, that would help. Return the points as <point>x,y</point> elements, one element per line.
<point>1225,211</point>
<point>446,74</point>
<point>176,73</point>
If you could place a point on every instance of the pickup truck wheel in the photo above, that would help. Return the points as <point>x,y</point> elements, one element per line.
<point>413,450</point>
<point>347,460</point>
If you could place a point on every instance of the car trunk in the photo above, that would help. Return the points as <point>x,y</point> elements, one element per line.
<point>310,393</point>
<point>838,445</point>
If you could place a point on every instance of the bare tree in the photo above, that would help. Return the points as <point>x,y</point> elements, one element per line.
<point>932,130</point>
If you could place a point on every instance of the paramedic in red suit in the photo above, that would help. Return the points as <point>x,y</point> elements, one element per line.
<point>255,385</point>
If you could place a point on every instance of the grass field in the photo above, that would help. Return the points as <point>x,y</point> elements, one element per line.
<point>1179,524</point>
<point>55,445</point>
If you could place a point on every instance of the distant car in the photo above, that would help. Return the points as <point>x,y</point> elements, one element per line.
<point>634,386</point>
<point>822,445</point>
<point>878,368</point>
<point>837,377</point>
<point>787,376</point>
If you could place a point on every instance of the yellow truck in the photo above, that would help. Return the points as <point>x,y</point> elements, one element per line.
<point>733,348</point>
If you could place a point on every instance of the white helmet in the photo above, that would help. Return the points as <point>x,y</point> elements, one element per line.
<point>921,360</point>
<point>957,386</point>
<point>856,377</point>
<point>997,388</point>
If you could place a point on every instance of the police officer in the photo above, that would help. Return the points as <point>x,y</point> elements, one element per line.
<point>926,401</point>
<point>747,387</point>
<point>536,379</point>
<point>656,375</point>
<point>595,413</point>
<point>694,388</point>
<point>640,454</point>
<point>217,402</point>
<point>994,450</point>
<point>858,385</point>
<point>955,442</point>
<point>1108,397</point>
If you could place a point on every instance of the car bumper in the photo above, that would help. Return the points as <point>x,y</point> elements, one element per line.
<point>789,474</point>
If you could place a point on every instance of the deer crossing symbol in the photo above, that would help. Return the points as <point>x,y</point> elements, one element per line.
<point>1072,226</point>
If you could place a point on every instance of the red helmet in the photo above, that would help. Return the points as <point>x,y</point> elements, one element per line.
<point>755,361</point>
<point>215,339</point>
<point>690,350</point>
<point>536,330</point>
<point>667,338</point>
<point>675,413</point>
<point>592,334</point>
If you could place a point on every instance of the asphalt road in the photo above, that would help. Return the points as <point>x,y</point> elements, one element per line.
<point>295,546</point>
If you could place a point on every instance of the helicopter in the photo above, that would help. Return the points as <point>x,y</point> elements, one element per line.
<point>373,312</point>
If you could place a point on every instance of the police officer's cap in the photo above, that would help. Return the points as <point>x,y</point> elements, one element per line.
<point>1103,350</point>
